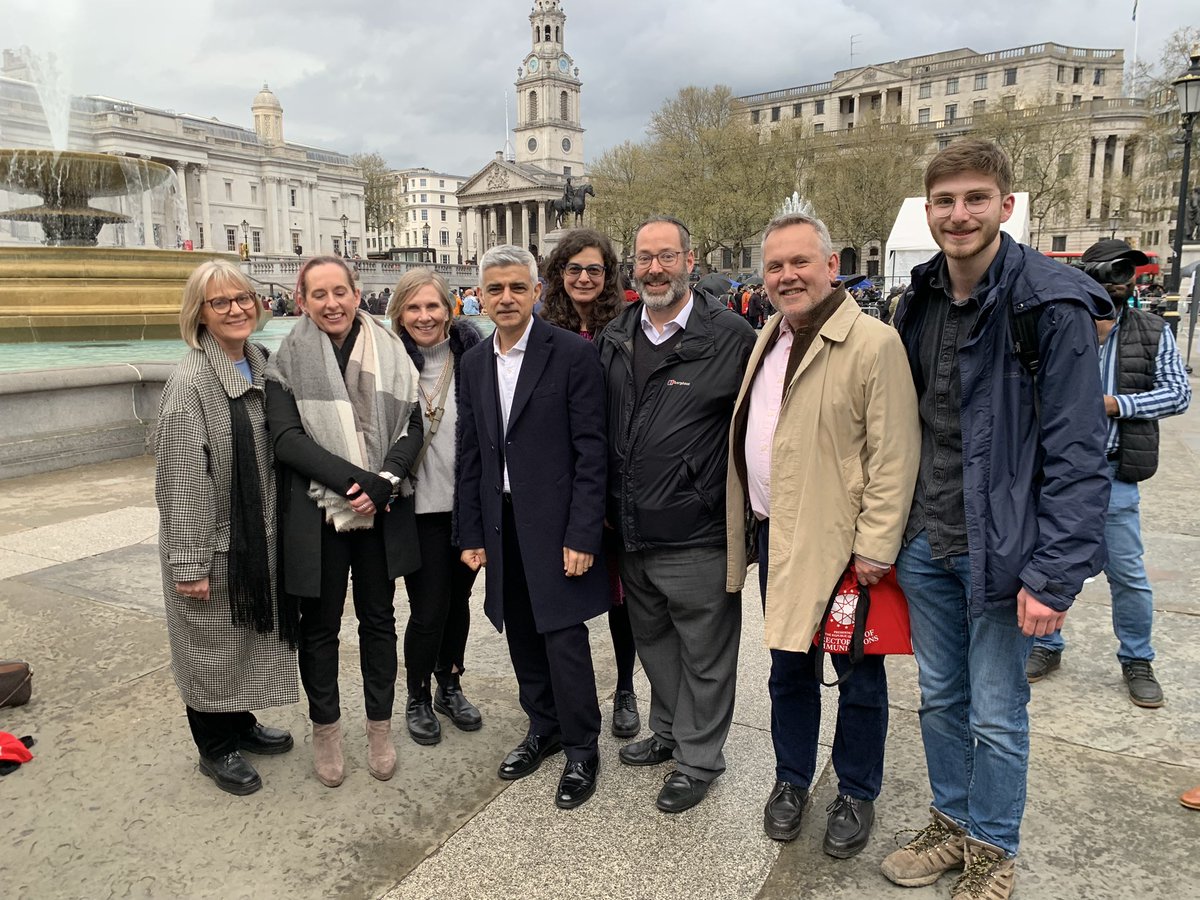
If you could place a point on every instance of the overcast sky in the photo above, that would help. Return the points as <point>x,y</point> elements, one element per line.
<point>424,83</point>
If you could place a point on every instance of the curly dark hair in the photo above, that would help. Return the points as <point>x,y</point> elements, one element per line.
<point>557,308</point>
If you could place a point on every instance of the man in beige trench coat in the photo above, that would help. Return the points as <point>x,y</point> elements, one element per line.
<point>824,451</point>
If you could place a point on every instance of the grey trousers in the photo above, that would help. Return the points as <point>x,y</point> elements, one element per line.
<point>687,629</point>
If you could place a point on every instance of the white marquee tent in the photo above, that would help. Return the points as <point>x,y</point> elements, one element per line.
<point>911,244</point>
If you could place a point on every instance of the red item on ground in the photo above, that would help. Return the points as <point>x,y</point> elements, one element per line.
<point>13,749</point>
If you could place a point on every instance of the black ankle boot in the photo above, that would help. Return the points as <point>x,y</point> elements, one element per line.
<point>450,702</point>
<point>423,726</point>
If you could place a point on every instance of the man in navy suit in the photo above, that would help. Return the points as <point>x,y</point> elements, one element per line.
<point>530,507</point>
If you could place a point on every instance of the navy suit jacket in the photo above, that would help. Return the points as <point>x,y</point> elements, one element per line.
<point>556,451</point>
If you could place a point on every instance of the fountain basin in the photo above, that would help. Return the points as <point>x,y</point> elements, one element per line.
<point>93,293</point>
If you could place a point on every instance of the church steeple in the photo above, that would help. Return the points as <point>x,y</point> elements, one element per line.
<point>548,132</point>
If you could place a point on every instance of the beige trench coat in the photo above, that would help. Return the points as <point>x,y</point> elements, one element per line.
<point>844,464</point>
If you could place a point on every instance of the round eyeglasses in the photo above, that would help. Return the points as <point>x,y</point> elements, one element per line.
<point>973,203</point>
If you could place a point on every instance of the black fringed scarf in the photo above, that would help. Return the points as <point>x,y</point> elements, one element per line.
<point>249,568</point>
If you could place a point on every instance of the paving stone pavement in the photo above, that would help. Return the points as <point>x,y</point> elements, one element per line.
<point>114,806</point>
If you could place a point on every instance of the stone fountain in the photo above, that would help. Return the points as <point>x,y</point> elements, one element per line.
<point>71,289</point>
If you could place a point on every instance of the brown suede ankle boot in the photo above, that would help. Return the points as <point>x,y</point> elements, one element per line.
<point>381,752</point>
<point>327,753</point>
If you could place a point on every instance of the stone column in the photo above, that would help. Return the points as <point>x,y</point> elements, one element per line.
<point>1119,158</point>
<point>269,225</point>
<point>312,243</point>
<point>508,223</point>
<point>205,211</point>
<point>185,227</point>
<point>541,214</point>
<point>283,239</point>
<point>480,231</point>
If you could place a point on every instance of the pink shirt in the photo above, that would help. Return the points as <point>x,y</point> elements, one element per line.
<point>766,396</point>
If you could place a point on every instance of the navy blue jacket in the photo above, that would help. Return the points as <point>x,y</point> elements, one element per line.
<point>556,455</point>
<point>1035,478</point>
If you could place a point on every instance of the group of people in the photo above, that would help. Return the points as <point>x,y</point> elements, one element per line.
<point>630,459</point>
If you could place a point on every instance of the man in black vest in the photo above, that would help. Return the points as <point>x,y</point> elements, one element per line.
<point>1144,381</point>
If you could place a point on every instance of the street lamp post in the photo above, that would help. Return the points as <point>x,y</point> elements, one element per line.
<point>425,234</point>
<point>1114,222</point>
<point>458,241</point>
<point>345,222</point>
<point>391,232</point>
<point>246,236</point>
<point>492,239</point>
<point>1187,89</point>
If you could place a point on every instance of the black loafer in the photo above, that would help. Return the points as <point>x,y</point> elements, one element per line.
<point>578,783</point>
<point>646,753</point>
<point>626,722</point>
<point>527,756</point>
<point>423,725</point>
<point>265,741</point>
<point>450,702</point>
<point>680,792</point>
<point>232,773</point>
<point>785,806</point>
<point>850,821</point>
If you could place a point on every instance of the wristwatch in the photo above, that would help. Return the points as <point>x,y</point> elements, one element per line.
<point>395,483</point>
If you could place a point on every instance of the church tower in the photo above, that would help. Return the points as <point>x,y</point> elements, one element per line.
<point>548,133</point>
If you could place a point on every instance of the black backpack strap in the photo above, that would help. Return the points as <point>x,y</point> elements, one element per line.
<point>1023,329</point>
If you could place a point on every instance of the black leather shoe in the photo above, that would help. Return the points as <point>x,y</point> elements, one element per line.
<point>1042,661</point>
<point>231,773</point>
<point>850,821</point>
<point>646,753</point>
<point>626,722</point>
<point>450,702</point>
<point>578,783</point>
<point>423,725</point>
<point>1144,689</point>
<point>680,792</point>
<point>527,756</point>
<point>781,816</point>
<point>265,741</point>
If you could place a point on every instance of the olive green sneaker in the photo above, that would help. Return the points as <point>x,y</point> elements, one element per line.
<point>988,875</point>
<point>937,848</point>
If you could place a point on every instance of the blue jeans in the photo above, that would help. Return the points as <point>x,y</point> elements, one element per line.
<point>1132,598</point>
<point>974,693</point>
<point>862,717</point>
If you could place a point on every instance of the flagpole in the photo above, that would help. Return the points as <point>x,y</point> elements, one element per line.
<point>1133,76</point>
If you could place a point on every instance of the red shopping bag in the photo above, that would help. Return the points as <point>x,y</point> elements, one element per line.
<point>860,620</point>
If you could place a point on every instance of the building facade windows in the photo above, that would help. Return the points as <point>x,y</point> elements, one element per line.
<point>923,116</point>
<point>981,81</point>
<point>1010,77</point>
<point>231,239</point>
<point>951,85</point>
<point>924,90</point>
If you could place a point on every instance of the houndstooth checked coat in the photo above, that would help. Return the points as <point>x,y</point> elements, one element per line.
<point>218,667</point>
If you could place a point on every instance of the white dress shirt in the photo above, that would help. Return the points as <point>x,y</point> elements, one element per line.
<point>508,370</point>
<point>656,337</point>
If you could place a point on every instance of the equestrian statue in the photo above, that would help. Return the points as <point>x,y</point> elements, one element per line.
<point>572,200</point>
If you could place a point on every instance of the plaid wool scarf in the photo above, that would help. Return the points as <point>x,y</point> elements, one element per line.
<point>357,417</point>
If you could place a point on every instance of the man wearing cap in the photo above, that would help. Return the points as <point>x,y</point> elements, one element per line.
<point>1144,381</point>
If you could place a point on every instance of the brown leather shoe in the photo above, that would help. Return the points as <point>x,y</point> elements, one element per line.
<point>1191,799</point>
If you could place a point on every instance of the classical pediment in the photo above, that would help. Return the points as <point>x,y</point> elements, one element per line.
<point>498,176</point>
<point>866,78</point>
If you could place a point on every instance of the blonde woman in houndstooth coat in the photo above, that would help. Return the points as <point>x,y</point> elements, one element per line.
<point>231,650</point>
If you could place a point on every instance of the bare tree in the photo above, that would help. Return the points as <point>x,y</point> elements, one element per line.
<point>377,198</point>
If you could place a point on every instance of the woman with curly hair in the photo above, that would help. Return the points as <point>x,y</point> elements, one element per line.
<point>583,294</point>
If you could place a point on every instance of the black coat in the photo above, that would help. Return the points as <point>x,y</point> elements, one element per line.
<point>556,460</point>
<point>301,460</point>
<point>668,447</point>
